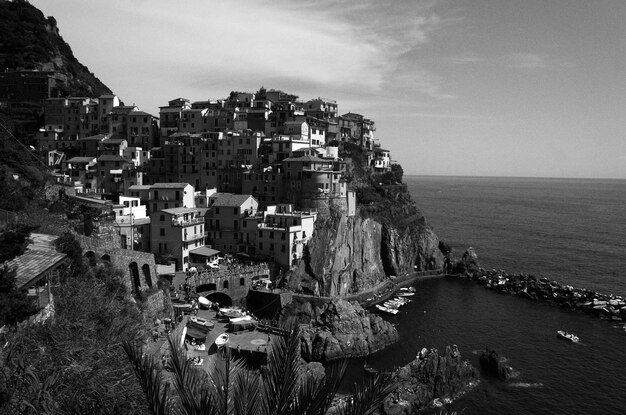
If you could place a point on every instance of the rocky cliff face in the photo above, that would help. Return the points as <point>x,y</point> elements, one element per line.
<point>337,329</point>
<point>430,379</point>
<point>347,255</point>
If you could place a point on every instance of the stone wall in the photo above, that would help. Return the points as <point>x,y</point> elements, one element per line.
<point>235,280</point>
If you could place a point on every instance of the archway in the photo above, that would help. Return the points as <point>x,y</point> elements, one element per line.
<point>146,273</point>
<point>91,258</point>
<point>206,287</point>
<point>106,258</point>
<point>134,275</point>
<point>224,300</point>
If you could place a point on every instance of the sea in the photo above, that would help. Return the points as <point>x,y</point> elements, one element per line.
<point>569,230</point>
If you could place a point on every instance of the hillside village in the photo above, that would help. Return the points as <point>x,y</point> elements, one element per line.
<point>247,175</point>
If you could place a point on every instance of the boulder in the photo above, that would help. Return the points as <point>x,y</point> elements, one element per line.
<point>496,365</point>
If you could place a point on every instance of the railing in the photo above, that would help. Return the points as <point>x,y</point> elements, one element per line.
<point>193,237</point>
<point>189,222</point>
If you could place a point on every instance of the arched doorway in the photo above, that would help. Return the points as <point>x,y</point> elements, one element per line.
<point>106,258</point>
<point>134,275</point>
<point>146,273</point>
<point>91,258</point>
<point>224,300</point>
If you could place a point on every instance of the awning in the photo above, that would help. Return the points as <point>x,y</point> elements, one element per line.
<point>204,251</point>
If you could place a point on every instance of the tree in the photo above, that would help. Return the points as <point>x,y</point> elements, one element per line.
<point>282,387</point>
<point>15,305</point>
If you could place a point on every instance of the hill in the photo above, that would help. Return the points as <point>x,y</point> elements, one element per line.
<point>29,40</point>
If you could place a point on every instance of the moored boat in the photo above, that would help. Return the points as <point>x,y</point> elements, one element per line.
<point>387,309</point>
<point>200,323</point>
<point>204,303</point>
<point>406,294</point>
<point>221,340</point>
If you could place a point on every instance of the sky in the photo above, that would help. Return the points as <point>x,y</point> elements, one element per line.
<point>525,88</point>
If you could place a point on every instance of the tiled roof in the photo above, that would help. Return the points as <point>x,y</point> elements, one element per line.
<point>140,187</point>
<point>39,258</point>
<point>157,186</point>
<point>180,210</point>
<point>80,160</point>
<point>229,199</point>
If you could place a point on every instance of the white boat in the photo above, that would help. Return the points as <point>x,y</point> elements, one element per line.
<point>204,302</point>
<point>387,309</point>
<point>567,336</point>
<point>221,340</point>
<point>408,289</point>
<point>241,319</point>
<point>406,294</point>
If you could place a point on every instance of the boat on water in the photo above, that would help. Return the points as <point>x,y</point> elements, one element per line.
<point>406,294</point>
<point>221,340</point>
<point>387,309</point>
<point>408,289</point>
<point>567,336</point>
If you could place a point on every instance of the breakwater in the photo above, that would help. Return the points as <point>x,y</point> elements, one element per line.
<point>607,306</point>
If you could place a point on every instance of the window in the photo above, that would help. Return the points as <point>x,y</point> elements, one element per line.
<point>260,245</point>
<point>242,282</point>
<point>271,235</point>
<point>283,248</point>
<point>217,211</point>
<point>272,247</point>
<point>260,234</point>
<point>236,211</point>
<point>162,218</point>
<point>225,285</point>
<point>162,232</point>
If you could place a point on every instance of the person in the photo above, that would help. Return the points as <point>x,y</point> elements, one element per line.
<point>195,309</point>
<point>164,360</point>
<point>155,335</point>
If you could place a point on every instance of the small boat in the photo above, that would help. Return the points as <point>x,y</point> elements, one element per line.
<point>387,309</point>
<point>406,294</point>
<point>221,340</point>
<point>201,323</point>
<point>567,336</point>
<point>204,303</point>
<point>241,319</point>
<point>408,289</point>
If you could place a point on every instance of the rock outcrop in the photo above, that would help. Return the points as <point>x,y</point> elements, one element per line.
<point>496,365</point>
<point>347,255</point>
<point>432,378</point>
<point>336,329</point>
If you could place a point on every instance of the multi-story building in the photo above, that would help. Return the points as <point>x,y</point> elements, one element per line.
<point>177,231</point>
<point>82,173</point>
<point>228,229</point>
<point>170,195</point>
<point>266,185</point>
<point>133,224</point>
<point>283,233</point>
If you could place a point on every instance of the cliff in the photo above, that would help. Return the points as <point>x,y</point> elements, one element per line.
<point>388,236</point>
<point>338,329</point>
<point>31,41</point>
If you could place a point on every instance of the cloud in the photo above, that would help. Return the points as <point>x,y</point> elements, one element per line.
<point>523,61</point>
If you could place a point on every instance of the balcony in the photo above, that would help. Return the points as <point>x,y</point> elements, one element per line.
<point>193,237</point>
<point>189,222</point>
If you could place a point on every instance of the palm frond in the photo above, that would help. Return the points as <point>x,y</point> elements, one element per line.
<point>316,396</point>
<point>367,396</point>
<point>281,377</point>
<point>149,376</point>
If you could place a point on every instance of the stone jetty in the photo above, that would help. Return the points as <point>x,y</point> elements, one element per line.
<point>606,306</point>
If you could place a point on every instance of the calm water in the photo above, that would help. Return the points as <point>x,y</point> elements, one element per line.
<point>568,230</point>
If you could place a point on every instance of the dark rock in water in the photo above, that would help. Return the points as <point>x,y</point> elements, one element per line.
<point>496,365</point>
<point>337,329</point>
<point>429,377</point>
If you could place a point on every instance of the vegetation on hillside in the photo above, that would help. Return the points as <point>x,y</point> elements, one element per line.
<point>30,40</point>
<point>381,196</point>
<point>282,387</point>
<point>74,363</point>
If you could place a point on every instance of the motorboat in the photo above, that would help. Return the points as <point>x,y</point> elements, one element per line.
<point>221,340</point>
<point>387,309</point>
<point>231,312</point>
<point>567,336</point>
<point>406,294</point>
<point>408,289</point>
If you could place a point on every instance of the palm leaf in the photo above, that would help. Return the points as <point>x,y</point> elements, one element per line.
<point>367,396</point>
<point>150,378</point>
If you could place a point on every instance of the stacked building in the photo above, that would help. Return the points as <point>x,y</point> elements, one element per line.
<point>247,175</point>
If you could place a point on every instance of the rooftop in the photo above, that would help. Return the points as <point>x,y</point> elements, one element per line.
<point>204,251</point>
<point>229,199</point>
<point>170,185</point>
<point>81,160</point>
<point>40,257</point>
<point>181,210</point>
